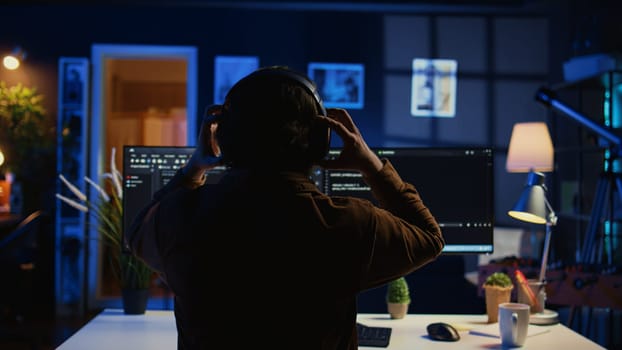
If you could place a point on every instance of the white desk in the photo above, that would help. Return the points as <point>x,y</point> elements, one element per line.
<point>156,330</point>
<point>410,333</point>
<point>112,329</point>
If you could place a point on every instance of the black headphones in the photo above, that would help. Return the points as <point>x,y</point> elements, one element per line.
<point>319,133</point>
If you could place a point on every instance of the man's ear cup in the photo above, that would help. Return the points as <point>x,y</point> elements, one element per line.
<point>319,140</point>
<point>211,120</point>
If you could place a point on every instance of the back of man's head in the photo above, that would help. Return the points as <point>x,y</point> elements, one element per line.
<point>269,120</point>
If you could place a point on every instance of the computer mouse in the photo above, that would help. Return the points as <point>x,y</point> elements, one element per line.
<point>442,331</point>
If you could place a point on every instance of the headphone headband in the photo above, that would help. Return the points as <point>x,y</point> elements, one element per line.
<point>285,72</point>
<point>213,112</point>
<point>319,133</point>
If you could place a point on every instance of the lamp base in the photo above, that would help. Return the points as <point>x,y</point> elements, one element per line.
<point>545,317</point>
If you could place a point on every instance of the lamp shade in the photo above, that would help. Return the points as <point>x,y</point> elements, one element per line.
<point>530,148</point>
<point>531,206</point>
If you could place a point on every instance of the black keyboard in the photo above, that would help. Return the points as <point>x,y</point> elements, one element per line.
<point>373,336</point>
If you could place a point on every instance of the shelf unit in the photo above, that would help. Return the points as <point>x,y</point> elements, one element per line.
<point>70,240</point>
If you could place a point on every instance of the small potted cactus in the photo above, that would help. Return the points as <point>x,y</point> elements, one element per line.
<point>498,288</point>
<point>398,298</point>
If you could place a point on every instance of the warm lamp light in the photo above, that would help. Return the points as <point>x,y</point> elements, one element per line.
<point>10,62</point>
<point>14,59</point>
<point>532,205</point>
<point>530,148</point>
<point>1,157</point>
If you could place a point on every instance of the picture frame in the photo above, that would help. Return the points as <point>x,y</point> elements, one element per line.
<point>434,87</point>
<point>341,85</point>
<point>228,70</point>
<point>73,80</point>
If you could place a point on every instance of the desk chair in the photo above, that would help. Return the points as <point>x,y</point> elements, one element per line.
<point>19,254</point>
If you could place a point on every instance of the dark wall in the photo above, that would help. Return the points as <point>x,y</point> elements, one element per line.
<point>278,37</point>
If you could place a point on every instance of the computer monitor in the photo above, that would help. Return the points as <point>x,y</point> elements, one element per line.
<point>146,169</point>
<point>456,184</point>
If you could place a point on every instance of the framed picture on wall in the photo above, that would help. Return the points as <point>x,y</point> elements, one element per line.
<point>228,70</point>
<point>74,79</point>
<point>340,84</point>
<point>433,87</point>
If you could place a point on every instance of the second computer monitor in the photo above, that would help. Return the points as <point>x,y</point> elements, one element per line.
<point>456,184</point>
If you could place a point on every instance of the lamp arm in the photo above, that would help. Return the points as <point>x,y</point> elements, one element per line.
<point>548,98</point>
<point>552,218</point>
<point>545,253</point>
<point>551,221</point>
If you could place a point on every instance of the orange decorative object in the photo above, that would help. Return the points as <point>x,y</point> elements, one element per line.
<point>5,194</point>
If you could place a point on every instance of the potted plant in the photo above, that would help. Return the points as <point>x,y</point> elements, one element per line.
<point>27,138</point>
<point>398,298</point>
<point>498,288</point>
<point>133,275</point>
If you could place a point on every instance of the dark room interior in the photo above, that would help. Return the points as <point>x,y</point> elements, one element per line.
<point>97,76</point>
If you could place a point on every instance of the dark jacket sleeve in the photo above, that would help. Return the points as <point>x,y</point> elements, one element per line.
<point>409,242</point>
<point>141,237</point>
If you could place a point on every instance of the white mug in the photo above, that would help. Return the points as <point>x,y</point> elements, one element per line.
<point>513,323</point>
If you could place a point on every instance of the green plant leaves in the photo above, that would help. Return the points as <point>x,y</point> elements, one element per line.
<point>398,291</point>
<point>26,135</point>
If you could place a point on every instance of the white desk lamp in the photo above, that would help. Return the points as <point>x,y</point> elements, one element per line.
<point>531,151</point>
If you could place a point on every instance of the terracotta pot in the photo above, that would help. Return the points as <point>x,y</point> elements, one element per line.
<point>496,295</point>
<point>396,310</point>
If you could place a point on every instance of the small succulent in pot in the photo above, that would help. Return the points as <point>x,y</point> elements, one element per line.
<point>398,298</point>
<point>498,288</point>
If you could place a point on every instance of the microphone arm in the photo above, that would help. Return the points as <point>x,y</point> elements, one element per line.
<point>548,98</point>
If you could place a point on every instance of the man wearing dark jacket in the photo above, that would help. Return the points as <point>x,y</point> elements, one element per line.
<point>263,258</point>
